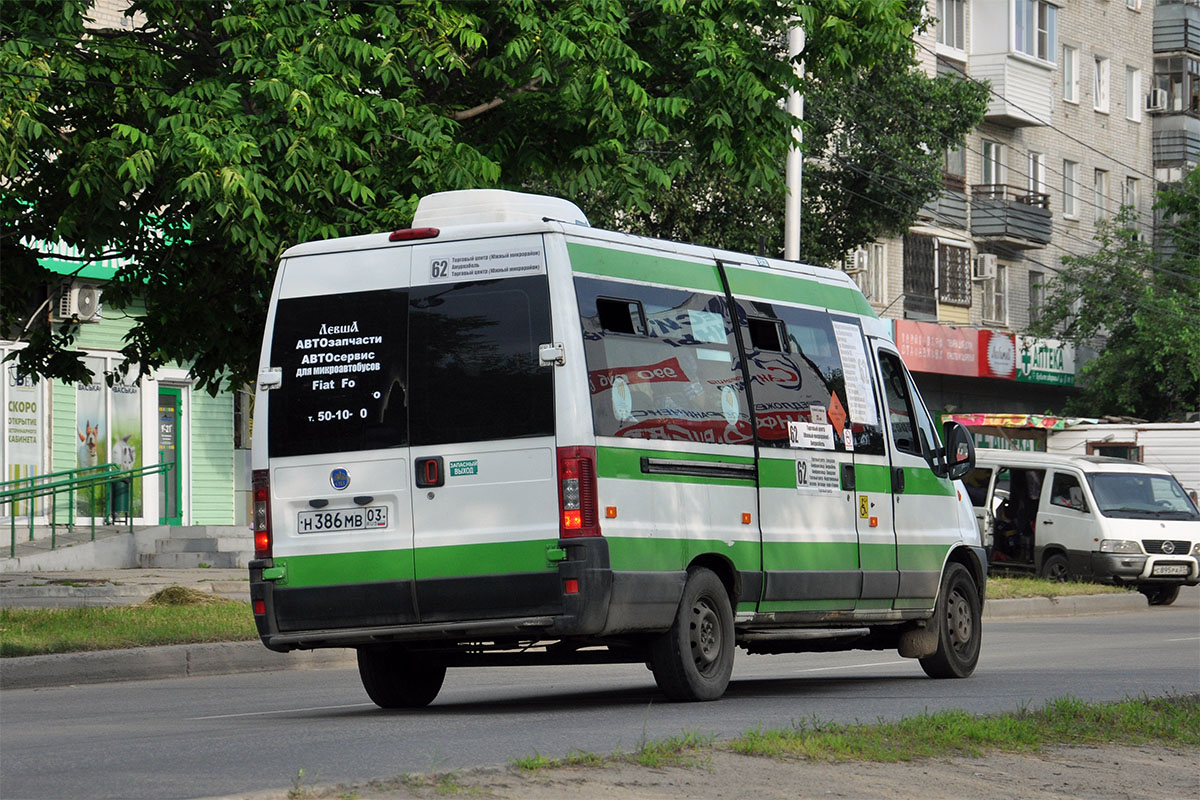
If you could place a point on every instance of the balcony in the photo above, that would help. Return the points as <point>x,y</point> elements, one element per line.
<point>1021,88</point>
<point>1176,26</point>
<point>1010,216</point>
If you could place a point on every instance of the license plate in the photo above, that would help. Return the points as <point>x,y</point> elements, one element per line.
<point>344,519</point>
<point>1170,569</point>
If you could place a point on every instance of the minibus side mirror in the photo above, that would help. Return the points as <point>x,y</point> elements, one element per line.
<point>956,457</point>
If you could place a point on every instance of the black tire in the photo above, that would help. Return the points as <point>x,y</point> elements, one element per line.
<point>1055,568</point>
<point>1160,594</point>
<point>395,678</point>
<point>958,617</point>
<point>694,659</point>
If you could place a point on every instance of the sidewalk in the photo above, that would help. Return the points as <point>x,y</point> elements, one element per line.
<point>131,586</point>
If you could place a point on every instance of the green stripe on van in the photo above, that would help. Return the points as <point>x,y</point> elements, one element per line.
<point>777,285</point>
<point>335,569</point>
<point>637,554</point>
<point>629,264</point>
<point>451,561</point>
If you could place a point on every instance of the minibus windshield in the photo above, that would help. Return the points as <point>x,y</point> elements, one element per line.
<point>1129,495</point>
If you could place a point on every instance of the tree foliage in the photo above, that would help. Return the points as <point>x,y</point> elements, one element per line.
<point>202,139</point>
<point>875,139</point>
<point>1139,304</point>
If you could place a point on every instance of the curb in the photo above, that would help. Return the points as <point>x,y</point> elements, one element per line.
<point>156,663</point>
<point>228,658</point>
<point>1070,606</point>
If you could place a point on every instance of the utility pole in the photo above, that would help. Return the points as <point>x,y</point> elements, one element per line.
<point>795,107</point>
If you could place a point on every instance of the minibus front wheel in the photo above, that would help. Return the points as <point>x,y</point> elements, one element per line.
<point>958,619</point>
<point>694,659</point>
<point>397,678</point>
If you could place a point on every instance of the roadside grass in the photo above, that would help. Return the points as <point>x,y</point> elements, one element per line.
<point>1007,588</point>
<point>1171,721</point>
<point>178,615</point>
<point>175,615</point>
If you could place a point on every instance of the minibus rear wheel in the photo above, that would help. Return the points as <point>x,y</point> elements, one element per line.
<point>958,617</point>
<point>694,659</point>
<point>395,678</point>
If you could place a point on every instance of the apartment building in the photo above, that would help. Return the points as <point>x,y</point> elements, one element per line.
<point>1092,101</point>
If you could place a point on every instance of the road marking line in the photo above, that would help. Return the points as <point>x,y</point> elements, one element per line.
<point>1188,639</point>
<point>279,711</point>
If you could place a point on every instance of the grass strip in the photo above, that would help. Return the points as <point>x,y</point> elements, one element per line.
<point>173,616</point>
<point>1007,588</point>
<point>1173,721</point>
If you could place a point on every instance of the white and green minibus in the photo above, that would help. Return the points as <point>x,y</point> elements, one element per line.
<point>502,436</point>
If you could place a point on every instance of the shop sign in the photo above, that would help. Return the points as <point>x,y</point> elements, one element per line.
<point>997,355</point>
<point>1045,361</point>
<point>941,349</point>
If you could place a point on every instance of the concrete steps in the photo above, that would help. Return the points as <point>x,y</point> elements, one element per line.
<point>199,547</point>
<point>160,546</point>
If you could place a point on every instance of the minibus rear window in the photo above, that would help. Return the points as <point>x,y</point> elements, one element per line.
<point>398,367</point>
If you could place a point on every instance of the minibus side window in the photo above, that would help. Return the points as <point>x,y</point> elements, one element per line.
<point>797,374</point>
<point>1066,492</point>
<point>901,414</point>
<point>662,364</point>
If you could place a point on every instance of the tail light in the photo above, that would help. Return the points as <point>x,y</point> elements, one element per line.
<point>261,484</point>
<point>577,492</point>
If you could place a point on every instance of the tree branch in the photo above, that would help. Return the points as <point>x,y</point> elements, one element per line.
<point>475,111</point>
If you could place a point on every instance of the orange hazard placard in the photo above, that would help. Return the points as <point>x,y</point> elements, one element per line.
<point>837,414</point>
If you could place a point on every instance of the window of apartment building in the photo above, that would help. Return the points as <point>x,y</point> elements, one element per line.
<point>1070,67</point>
<point>1179,77</point>
<point>1129,194</point>
<point>919,256</point>
<point>954,168</point>
<point>1100,84</point>
<point>1133,94</point>
<point>1037,294</point>
<point>869,268</point>
<point>1070,189</point>
<point>995,297</point>
<point>1036,173</point>
<point>993,162</point>
<point>954,274</point>
<point>1101,192</point>
<point>952,23</point>
<point>1134,5</point>
<point>1034,30</point>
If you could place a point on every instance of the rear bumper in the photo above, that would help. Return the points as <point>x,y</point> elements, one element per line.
<point>515,607</point>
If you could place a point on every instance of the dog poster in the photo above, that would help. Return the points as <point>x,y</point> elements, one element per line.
<point>91,432</point>
<point>127,434</point>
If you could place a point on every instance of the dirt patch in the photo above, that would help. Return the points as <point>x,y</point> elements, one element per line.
<point>1151,772</point>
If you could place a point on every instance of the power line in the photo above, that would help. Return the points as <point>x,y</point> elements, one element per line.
<point>1148,216</point>
<point>1051,125</point>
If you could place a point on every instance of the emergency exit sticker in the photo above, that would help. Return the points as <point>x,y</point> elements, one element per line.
<point>460,469</point>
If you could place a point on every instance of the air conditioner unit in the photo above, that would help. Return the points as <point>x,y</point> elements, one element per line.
<point>1156,100</point>
<point>78,301</point>
<point>858,262</point>
<point>985,267</point>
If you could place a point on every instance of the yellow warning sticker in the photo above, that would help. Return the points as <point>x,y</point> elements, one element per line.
<point>864,506</point>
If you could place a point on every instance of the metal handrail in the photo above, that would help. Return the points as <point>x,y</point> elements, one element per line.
<point>1012,194</point>
<point>100,475</point>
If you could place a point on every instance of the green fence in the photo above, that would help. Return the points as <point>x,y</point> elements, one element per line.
<point>117,485</point>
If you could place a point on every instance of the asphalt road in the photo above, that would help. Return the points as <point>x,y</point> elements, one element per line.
<point>243,733</point>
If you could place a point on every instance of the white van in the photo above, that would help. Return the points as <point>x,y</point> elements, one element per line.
<point>1103,519</point>
<point>503,437</point>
